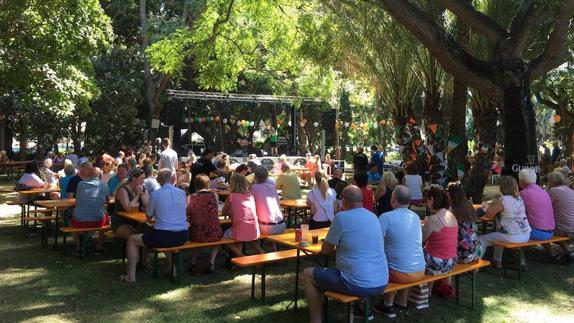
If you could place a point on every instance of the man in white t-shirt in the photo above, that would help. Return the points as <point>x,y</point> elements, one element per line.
<point>168,157</point>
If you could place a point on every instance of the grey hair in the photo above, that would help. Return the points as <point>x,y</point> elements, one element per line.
<point>164,176</point>
<point>563,162</point>
<point>69,170</point>
<point>556,179</point>
<point>402,195</point>
<point>261,174</point>
<point>527,175</point>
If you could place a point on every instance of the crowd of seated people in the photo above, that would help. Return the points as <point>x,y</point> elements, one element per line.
<point>400,249</point>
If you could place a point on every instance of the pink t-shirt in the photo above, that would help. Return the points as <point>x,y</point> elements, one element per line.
<point>267,202</point>
<point>244,224</point>
<point>538,207</point>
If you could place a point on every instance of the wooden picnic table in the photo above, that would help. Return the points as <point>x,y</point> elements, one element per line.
<point>288,239</point>
<point>294,208</point>
<point>37,191</point>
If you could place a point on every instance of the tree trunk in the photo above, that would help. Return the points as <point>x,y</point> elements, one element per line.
<point>519,124</point>
<point>457,157</point>
<point>485,116</point>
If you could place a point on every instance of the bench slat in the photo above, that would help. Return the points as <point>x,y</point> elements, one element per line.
<point>78,230</point>
<point>43,218</point>
<point>265,258</point>
<point>530,243</point>
<point>392,287</point>
<point>192,245</point>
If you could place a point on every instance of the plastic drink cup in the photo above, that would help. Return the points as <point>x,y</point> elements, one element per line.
<point>304,231</point>
<point>315,239</point>
<point>298,235</point>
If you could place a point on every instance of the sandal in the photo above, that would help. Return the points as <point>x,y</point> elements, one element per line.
<point>124,279</point>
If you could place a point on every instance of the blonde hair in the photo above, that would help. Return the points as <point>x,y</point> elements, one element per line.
<point>508,186</point>
<point>322,183</point>
<point>389,180</point>
<point>238,184</point>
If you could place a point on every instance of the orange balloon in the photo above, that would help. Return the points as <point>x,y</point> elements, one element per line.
<point>557,118</point>
<point>217,119</point>
<point>383,122</point>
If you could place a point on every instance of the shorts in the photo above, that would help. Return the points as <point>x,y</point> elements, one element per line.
<point>561,233</point>
<point>438,266</point>
<point>91,224</point>
<point>164,238</point>
<point>537,234</point>
<point>329,279</point>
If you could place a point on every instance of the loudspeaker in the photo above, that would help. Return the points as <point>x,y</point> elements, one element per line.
<point>329,119</point>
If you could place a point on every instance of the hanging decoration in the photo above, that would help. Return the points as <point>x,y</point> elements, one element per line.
<point>315,124</point>
<point>557,118</point>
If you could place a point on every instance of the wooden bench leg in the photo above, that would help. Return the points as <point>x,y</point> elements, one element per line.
<point>179,266</point>
<point>124,247</point>
<point>155,264</point>
<point>473,289</point>
<point>253,282</point>
<point>326,309</point>
<point>367,307</point>
<point>263,274</point>
<point>64,242</point>
<point>297,267</point>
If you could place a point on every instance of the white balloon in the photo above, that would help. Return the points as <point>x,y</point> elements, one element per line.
<point>252,123</point>
<point>238,123</point>
<point>186,120</point>
<point>375,125</point>
<point>289,123</point>
<point>346,125</point>
<point>316,124</point>
<point>224,120</point>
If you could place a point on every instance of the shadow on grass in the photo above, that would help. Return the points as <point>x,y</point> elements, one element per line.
<point>40,283</point>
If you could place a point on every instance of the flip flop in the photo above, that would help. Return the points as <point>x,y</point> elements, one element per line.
<point>123,279</point>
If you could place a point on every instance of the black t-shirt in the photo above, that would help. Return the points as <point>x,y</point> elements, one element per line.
<point>361,162</point>
<point>73,184</point>
<point>201,166</point>
<point>334,181</point>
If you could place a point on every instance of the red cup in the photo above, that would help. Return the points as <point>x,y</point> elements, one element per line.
<point>298,235</point>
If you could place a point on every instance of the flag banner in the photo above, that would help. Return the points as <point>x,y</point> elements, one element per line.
<point>460,170</point>
<point>433,127</point>
<point>453,142</point>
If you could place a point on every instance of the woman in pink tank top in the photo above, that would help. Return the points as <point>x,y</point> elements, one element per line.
<point>440,235</point>
<point>240,207</point>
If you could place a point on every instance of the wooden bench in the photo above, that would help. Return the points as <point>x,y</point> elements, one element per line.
<point>46,221</point>
<point>177,264</point>
<point>263,260</point>
<point>110,235</point>
<point>81,231</point>
<point>460,269</point>
<point>517,248</point>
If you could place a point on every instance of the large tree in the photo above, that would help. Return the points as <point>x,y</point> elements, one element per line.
<point>518,57</point>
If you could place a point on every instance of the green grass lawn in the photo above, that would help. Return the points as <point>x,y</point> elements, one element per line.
<point>40,284</point>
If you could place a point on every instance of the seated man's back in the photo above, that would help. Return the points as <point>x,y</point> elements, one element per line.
<point>91,195</point>
<point>401,229</point>
<point>360,248</point>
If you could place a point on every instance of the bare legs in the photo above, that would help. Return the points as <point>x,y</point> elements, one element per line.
<point>236,248</point>
<point>313,296</point>
<point>133,250</point>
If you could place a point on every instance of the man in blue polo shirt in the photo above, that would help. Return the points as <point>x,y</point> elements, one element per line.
<point>361,265</point>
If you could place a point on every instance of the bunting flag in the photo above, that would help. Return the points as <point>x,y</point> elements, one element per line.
<point>453,142</point>
<point>421,149</point>
<point>401,149</point>
<point>433,128</point>
<point>440,156</point>
<point>430,149</point>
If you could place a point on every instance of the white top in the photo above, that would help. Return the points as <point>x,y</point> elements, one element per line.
<point>414,183</point>
<point>168,159</point>
<point>324,208</point>
<point>213,182</point>
<point>513,218</point>
<point>32,180</point>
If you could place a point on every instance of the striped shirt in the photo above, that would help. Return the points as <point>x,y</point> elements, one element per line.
<point>91,196</point>
<point>562,198</point>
